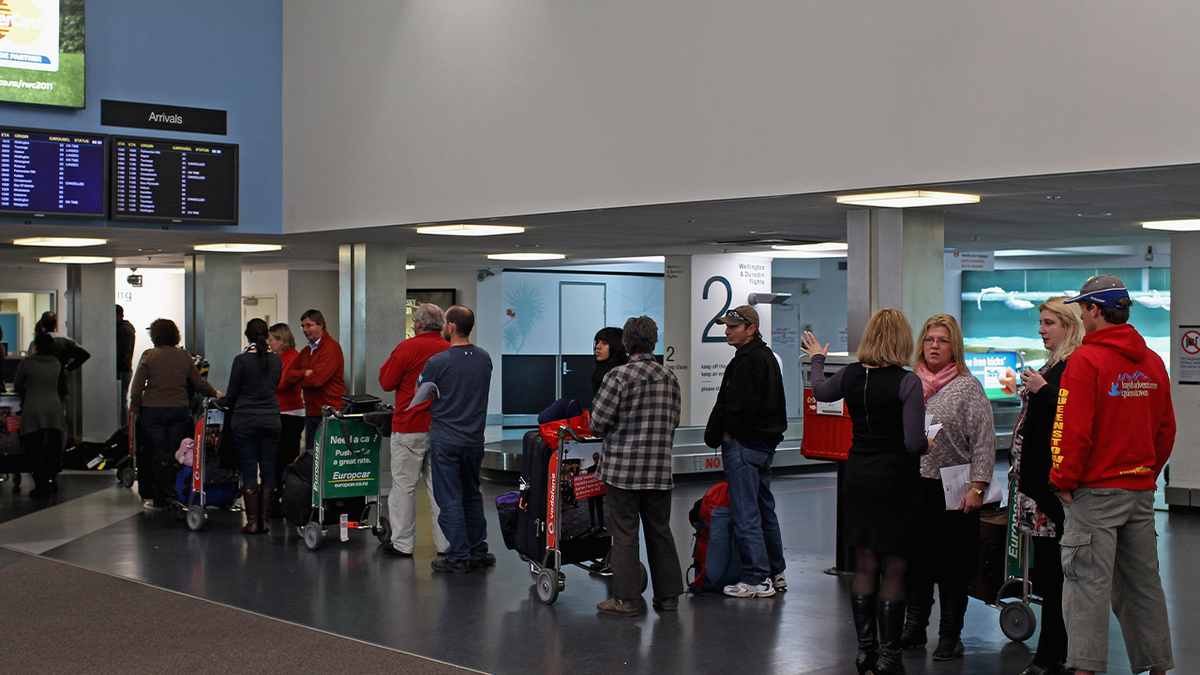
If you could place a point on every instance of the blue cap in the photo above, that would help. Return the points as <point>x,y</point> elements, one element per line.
<point>1104,290</point>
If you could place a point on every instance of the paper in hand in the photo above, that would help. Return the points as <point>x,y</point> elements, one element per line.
<point>956,480</point>
<point>931,429</point>
<point>426,392</point>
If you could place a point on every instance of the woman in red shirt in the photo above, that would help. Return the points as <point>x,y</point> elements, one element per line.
<point>291,409</point>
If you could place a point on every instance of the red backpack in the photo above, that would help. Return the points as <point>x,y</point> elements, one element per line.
<point>715,558</point>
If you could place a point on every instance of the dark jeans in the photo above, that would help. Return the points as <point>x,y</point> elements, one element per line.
<point>1048,582</point>
<point>291,428</point>
<point>312,423</point>
<point>456,490</point>
<point>125,378</point>
<point>653,508</point>
<point>256,448</point>
<point>46,446</point>
<point>948,557</point>
<point>752,509</point>
<point>165,428</point>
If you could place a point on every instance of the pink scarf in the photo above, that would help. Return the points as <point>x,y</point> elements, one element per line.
<point>933,382</point>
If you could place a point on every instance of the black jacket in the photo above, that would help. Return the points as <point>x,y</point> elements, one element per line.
<point>1034,479</point>
<point>750,404</point>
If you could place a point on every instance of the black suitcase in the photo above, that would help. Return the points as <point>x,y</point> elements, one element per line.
<point>296,500</point>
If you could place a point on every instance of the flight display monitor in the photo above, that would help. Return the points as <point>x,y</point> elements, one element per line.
<point>174,181</point>
<point>52,173</point>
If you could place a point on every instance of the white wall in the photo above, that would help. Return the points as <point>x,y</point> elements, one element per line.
<point>468,109</point>
<point>270,282</point>
<point>160,296</point>
<point>317,290</point>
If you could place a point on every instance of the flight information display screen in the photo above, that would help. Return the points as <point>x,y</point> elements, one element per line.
<point>52,173</point>
<point>174,181</point>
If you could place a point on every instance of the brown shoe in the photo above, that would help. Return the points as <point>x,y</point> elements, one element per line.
<point>251,498</point>
<point>666,604</point>
<point>618,607</point>
<point>265,496</point>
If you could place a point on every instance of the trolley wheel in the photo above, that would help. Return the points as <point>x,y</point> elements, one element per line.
<point>643,576</point>
<point>126,475</point>
<point>383,531</point>
<point>548,586</point>
<point>196,517</point>
<point>1017,621</point>
<point>314,536</point>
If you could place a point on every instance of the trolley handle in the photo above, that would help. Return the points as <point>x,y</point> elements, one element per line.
<point>565,431</point>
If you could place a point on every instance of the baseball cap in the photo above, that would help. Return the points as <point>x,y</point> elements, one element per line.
<point>1102,289</point>
<point>743,314</point>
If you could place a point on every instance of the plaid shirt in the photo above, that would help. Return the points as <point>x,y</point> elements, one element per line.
<point>636,412</point>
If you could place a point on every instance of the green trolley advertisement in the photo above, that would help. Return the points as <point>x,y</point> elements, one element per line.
<point>345,467</point>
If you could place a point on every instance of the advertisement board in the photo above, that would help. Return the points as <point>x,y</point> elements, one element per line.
<point>997,371</point>
<point>41,52</point>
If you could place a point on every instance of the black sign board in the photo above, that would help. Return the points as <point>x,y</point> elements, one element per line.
<point>164,117</point>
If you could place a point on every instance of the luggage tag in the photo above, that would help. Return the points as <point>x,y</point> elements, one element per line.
<point>345,526</point>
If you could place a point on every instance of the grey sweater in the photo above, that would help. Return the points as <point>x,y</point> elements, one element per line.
<point>968,435</point>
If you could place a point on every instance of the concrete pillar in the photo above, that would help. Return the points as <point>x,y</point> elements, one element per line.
<point>372,288</point>
<point>894,260</point>
<point>1184,488</point>
<point>90,321</point>
<point>488,305</point>
<point>313,289</point>
<point>213,305</point>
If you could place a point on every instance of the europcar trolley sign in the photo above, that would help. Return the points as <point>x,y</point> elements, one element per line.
<point>347,463</point>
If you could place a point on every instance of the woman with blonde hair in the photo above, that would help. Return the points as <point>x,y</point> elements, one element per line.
<point>881,486</point>
<point>949,540</point>
<point>1038,511</point>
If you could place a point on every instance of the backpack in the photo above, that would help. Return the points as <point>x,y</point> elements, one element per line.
<point>715,558</point>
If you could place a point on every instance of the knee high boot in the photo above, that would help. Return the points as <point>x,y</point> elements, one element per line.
<point>916,619</point>
<point>863,609</point>
<point>265,497</point>
<point>251,498</point>
<point>954,606</point>
<point>891,625</point>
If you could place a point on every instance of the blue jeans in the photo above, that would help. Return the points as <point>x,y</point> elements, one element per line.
<point>165,428</point>
<point>256,447</point>
<point>752,508</point>
<point>456,490</point>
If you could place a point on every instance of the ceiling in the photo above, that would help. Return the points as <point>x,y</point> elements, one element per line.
<point>1086,209</point>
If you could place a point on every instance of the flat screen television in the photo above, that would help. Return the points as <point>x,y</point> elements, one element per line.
<point>52,173</point>
<point>41,52</point>
<point>169,181</point>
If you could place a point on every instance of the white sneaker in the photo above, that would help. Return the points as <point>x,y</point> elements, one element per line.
<point>778,582</point>
<point>744,590</point>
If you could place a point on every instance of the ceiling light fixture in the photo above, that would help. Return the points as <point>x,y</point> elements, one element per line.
<point>65,242</point>
<point>823,247</point>
<point>409,266</point>
<point>526,256</point>
<point>236,248</point>
<point>75,259</point>
<point>906,199</point>
<point>1187,225</point>
<point>471,230</point>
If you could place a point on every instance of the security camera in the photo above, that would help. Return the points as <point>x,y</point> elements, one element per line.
<point>134,279</point>
<point>768,298</point>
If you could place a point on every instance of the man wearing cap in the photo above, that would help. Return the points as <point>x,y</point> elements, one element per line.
<point>747,423</point>
<point>1117,430</point>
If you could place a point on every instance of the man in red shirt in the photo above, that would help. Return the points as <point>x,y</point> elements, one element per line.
<point>1114,431</point>
<point>410,431</point>
<point>319,370</point>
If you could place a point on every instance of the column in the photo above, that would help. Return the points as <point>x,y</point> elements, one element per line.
<point>213,305</point>
<point>894,260</point>
<point>89,319</point>
<point>373,286</point>
<point>1183,492</point>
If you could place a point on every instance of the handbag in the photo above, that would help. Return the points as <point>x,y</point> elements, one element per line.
<point>563,413</point>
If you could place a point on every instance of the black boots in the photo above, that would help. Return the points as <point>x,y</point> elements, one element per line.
<point>863,609</point>
<point>891,624</point>
<point>954,606</point>
<point>252,498</point>
<point>916,620</point>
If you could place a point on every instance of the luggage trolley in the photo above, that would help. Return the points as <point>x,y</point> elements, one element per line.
<point>346,464</point>
<point>1003,582</point>
<point>566,486</point>
<point>194,492</point>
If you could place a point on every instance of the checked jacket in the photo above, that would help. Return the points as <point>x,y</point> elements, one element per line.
<point>636,412</point>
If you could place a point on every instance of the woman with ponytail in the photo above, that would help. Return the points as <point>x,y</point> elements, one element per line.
<point>253,381</point>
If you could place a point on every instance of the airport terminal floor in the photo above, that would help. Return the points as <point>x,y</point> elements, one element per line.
<point>265,604</point>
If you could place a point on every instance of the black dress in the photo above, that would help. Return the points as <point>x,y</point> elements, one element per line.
<point>881,487</point>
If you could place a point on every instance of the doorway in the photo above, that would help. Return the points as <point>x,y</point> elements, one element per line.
<point>259,307</point>
<point>582,312</point>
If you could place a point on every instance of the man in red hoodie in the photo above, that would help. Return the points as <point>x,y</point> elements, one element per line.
<point>1114,431</point>
<point>410,431</point>
<point>319,370</point>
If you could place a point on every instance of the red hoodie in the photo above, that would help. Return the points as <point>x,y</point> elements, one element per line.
<point>1115,426</point>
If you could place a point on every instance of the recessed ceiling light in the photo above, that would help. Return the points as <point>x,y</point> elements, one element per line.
<point>65,242</point>
<point>409,266</point>
<point>471,230</point>
<point>75,259</point>
<point>526,256</point>
<point>823,247</point>
<point>906,199</point>
<point>1187,225</point>
<point>236,248</point>
<point>1028,252</point>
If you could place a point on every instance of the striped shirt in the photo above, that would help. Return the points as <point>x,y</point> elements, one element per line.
<point>636,412</point>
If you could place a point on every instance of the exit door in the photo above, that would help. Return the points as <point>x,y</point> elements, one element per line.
<point>259,307</point>
<point>582,313</point>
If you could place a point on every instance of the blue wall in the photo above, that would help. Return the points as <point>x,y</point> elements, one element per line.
<point>223,54</point>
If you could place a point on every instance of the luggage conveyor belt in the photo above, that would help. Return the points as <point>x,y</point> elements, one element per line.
<point>690,454</point>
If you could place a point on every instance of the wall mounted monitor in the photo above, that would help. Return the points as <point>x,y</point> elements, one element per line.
<point>52,173</point>
<point>41,52</point>
<point>167,181</point>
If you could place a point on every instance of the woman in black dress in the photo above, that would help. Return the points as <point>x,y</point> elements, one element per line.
<point>1039,512</point>
<point>880,491</point>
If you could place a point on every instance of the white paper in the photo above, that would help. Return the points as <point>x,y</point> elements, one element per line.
<point>426,392</point>
<point>956,480</point>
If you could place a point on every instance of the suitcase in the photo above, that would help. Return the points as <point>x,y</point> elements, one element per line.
<point>296,500</point>
<point>531,520</point>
